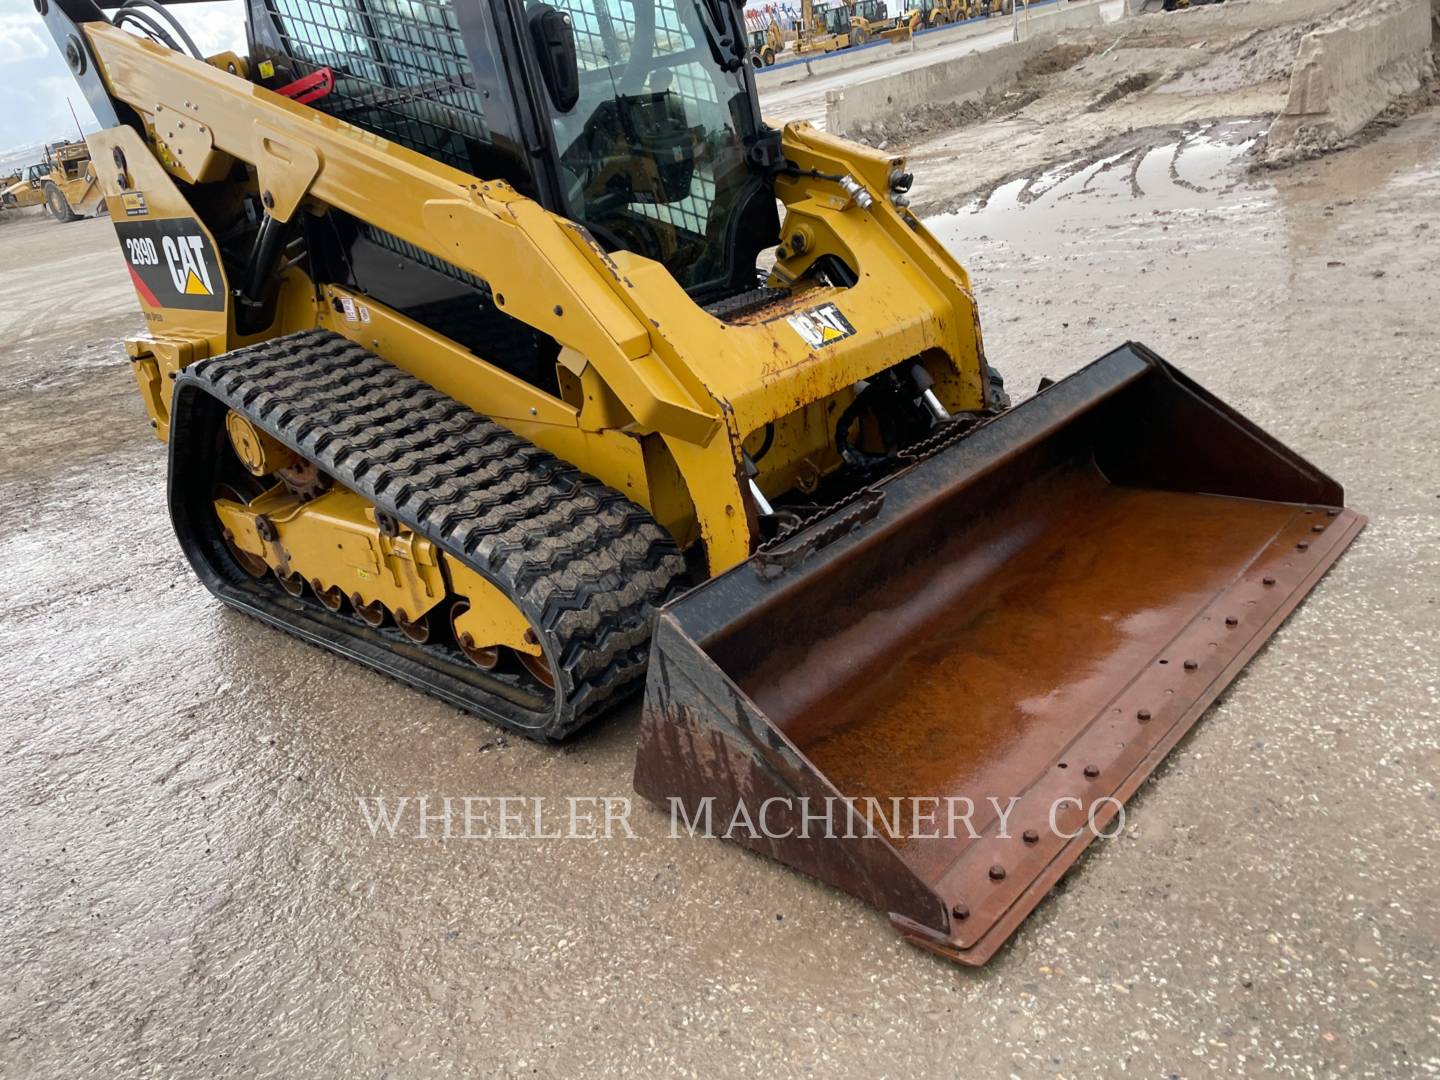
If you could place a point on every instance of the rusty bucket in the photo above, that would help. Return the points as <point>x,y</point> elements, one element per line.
<point>1022,623</point>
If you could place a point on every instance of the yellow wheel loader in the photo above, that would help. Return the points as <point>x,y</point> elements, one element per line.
<point>870,20</point>
<point>846,25</point>
<point>828,29</point>
<point>467,373</point>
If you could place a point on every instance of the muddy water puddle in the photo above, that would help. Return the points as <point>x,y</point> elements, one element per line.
<point>1190,196</point>
<point>1198,172</point>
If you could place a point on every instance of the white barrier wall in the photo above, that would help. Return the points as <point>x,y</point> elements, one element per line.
<point>956,80</point>
<point>947,81</point>
<point>1346,74</point>
<point>1066,15</point>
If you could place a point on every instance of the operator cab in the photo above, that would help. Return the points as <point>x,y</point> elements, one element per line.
<point>836,20</point>
<point>635,118</point>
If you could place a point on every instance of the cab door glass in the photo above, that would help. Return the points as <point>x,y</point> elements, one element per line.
<point>652,156</point>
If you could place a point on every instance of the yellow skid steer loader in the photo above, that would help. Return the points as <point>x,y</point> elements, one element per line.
<point>458,343</point>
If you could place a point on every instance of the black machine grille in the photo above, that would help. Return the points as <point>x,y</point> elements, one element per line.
<point>393,243</point>
<point>400,66</point>
<point>440,296</point>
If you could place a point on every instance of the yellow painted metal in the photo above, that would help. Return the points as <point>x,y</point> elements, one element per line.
<point>20,190</point>
<point>178,335</point>
<point>491,619</point>
<point>770,48</point>
<point>259,451</point>
<point>155,362</point>
<point>151,382</point>
<point>333,541</point>
<point>186,146</point>
<point>657,396</point>
<point>73,174</point>
<point>450,368</point>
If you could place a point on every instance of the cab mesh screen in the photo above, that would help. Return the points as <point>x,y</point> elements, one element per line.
<point>401,70</point>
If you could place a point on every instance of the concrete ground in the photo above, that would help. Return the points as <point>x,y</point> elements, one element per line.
<point>190,889</point>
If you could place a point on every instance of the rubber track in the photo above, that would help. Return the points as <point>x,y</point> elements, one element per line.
<point>588,567</point>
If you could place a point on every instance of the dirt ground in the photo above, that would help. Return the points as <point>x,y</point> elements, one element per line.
<point>1131,85</point>
<point>190,889</point>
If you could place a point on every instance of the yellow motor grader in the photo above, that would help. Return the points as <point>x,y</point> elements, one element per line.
<point>467,373</point>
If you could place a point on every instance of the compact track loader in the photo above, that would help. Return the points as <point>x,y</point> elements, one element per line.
<point>467,372</point>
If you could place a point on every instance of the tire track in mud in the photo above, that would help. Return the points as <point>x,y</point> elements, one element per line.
<point>1128,152</point>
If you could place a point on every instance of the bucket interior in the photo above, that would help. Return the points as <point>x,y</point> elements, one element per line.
<point>962,647</point>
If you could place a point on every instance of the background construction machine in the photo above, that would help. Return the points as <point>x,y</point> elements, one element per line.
<point>64,182</point>
<point>24,188</point>
<point>766,45</point>
<point>930,13</point>
<point>827,29</point>
<point>847,25</point>
<point>456,339</point>
<point>872,20</point>
<point>927,14</point>
<point>69,188</point>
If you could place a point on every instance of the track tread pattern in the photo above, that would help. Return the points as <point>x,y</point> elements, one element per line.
<point>589,567</point>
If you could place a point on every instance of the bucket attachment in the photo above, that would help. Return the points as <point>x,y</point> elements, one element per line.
<point>1024,622</point>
